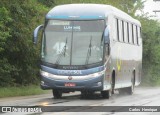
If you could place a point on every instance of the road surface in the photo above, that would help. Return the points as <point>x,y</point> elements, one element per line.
<point>143,96</point>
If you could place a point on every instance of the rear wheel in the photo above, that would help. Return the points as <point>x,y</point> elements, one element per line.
<point>86,94</point>
<point>130,90</point>
<point>106,94</point>
<point>122,91</point>
<point>57,94</point>
<point>113,81</point>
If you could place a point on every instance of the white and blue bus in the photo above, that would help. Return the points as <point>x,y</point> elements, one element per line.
<point>88,48</point>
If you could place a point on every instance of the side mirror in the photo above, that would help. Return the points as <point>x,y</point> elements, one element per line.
<point>106,36</point>
<point>35,34</point>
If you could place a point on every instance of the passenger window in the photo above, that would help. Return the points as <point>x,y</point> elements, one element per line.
<point>125,32</point>
<point>135,35</point>
<point>130,33</point>
<point>139,32</point>
<point>117,26</point>
<point>120,30</point>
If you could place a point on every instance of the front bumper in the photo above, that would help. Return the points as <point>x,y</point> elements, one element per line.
<point>94,84</point>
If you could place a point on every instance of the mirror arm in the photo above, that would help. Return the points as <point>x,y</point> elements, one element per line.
<point>108,49</point>
<point>35,34</point>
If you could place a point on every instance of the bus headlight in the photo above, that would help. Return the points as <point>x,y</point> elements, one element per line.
<point>98,74</point>
<point>46,74</point>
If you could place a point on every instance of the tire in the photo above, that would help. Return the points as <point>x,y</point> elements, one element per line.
<point>106,94</point>
<point>86,94</point>
<point>130,90</point>
<point>57,94</point>
<point>122,91</point>
<point>83,94</point>
<point>113,82</point>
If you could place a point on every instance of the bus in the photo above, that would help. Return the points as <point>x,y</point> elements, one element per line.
<point>89,48</point>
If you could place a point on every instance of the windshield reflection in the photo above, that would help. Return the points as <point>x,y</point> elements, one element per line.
<point>78,34</point>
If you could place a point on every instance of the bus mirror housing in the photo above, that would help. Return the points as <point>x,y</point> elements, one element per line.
<point>35,34</point>
<point>106,36</point>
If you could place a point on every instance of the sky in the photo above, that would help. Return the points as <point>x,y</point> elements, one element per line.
<point>150,6</point>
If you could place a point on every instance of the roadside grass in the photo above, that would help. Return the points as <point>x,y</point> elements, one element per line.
<point>21,91</point>
<point>150,84</point>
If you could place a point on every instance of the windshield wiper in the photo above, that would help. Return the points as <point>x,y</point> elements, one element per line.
<point>89,52</point>
<point>63,52</point>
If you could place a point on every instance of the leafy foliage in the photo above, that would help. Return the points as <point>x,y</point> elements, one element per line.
<point>19,57</point>
<point>151,50</point>
<point>49,3</point>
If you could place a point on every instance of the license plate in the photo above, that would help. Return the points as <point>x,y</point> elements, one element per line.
<point>70,84</point>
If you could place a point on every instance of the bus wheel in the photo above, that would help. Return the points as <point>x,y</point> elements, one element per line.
<point>86,94</point>
<point>106,94</point>
<point>113,81</point>
<point>57,94</point>
<point>83,94</point>
<point>121,91</point>
<point>130,90</point>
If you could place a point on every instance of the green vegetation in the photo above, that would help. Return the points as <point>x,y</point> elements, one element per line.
<point>151,51</point>
<point>21,91</point>
<point>19,58</point>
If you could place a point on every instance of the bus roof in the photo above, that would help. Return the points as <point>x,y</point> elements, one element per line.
<point>86,11</point>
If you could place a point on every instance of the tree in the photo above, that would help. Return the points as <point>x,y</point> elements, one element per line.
<point>151,50</point>
<point>19,58</point>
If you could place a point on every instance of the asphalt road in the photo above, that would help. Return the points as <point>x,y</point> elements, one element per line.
<point>143,96</point>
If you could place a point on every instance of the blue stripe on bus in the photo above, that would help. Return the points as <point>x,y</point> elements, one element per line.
<point>78,17</point>
<point>91,17</point>
<point>64,72</point>
<point>57,17</point>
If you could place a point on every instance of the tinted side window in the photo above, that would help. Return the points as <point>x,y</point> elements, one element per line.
<point>130,33</point>
<point>120,30</point>
<point>125,32</point>
<point>135,35</point>
<point>117,26</point>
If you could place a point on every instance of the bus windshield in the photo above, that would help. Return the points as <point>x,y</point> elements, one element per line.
<point>73,42</point>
